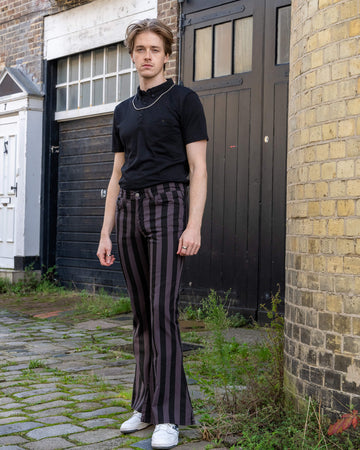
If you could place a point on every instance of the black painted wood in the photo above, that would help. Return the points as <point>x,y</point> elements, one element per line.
<point>243,247</point>
<point>85,165</point>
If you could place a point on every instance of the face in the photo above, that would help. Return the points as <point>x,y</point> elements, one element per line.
<point>149,55</point>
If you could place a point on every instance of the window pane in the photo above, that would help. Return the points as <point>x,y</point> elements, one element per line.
<point>223,49</point>
<point>97,92</point>
<point>125,60</point>
<point>85,70</point>
<point>98,62</point>
<point>124,86</point>
<point>73,96</point>
<point>110,90</point>
<point>61,99</point>
<point>283,35</point>
<point>203,53</point>
<point>74,68</point>
<point>62,70</point>
<point>243,45</point>
<point>85,94</point>
<point>111,56</point>
<point>135,83</point>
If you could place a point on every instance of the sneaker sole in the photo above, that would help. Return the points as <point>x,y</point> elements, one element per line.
<point>135,430</point>
<point>163,447</point>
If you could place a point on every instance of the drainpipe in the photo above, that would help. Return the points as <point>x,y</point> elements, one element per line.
<point>181,31</point>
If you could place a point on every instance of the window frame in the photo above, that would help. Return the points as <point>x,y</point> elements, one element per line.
<point>103,108</point>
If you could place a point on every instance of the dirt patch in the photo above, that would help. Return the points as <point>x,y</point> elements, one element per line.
<point>38,305</point>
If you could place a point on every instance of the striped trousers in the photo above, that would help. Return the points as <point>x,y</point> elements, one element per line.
<point>149,223</point>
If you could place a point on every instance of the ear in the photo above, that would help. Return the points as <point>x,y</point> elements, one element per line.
<point>166,58</point>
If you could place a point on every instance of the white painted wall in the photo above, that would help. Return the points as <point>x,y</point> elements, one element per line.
<point>93,25</point>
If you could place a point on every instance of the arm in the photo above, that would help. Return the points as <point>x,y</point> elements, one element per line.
<point>191,237</point>
<point>105,244</point>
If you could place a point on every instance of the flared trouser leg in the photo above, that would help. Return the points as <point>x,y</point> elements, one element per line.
<point>149,224</point>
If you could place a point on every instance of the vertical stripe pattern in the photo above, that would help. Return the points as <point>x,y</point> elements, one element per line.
<point>149,224</point>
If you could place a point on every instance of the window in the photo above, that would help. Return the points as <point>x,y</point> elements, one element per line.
<point>223,49</point>
<point>94,80</point>
<point>283,35</point>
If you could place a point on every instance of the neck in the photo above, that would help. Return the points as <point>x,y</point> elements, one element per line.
<point>148,83</point>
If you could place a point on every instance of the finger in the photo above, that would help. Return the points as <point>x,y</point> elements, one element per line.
<point>179,250</point>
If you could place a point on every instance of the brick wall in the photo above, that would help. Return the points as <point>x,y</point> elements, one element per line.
<point>21,32</point>
<point>323,207</point>
<point>168,13</point>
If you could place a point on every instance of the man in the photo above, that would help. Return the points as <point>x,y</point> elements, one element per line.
<point>159,141</point>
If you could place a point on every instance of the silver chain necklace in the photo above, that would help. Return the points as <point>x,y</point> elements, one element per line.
<point>153,103</point>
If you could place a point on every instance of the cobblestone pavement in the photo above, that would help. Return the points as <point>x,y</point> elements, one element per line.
<point>65,386</point>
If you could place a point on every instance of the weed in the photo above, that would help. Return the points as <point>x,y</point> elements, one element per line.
<point>32,282</point>
<point>102,304</point>
<point>243,404</point>
<point>36,364</point>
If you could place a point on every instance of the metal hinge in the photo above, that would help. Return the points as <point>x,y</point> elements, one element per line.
<point>54,149</point>
<point>183,23</point>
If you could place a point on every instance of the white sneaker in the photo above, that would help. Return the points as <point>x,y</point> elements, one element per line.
<point>133,424</point>
<point>165,435</point>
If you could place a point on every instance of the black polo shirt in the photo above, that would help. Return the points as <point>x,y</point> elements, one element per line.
<point>154,138</point>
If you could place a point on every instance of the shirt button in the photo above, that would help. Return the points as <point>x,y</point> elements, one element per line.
<point>137,195</point>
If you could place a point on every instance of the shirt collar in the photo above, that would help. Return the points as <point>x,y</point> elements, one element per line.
<point>156,90</point>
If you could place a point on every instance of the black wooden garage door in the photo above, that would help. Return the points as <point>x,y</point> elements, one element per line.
<point>85,165</point>
<point>235,55</point>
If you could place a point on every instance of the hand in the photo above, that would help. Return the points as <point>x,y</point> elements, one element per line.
<point>104,252</point>
<point>189,243</point>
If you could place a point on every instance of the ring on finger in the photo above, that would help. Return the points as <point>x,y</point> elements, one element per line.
<point>184,247</point>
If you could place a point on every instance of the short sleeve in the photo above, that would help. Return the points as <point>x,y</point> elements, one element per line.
<point>193,120</point>
<point>116,142</point>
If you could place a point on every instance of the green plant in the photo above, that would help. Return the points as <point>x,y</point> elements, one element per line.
<point>36,364</point>
<point>102,304</point>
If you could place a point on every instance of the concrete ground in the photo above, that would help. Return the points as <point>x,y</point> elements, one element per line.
<point>68,386</point>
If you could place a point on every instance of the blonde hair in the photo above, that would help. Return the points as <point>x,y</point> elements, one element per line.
<point>154,25</point>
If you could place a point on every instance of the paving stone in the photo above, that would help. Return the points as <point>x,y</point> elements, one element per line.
<point>93,325</point>
<point>90,437</point>
<point>49,444</point>
<point>85,396</point>
<point>16,367</point>
<point>10,447</point>
<point>54,419</point>
<point>145,445</point>
<point>88,406</point>
<point>48,405</point>
<point>100,412</point>
<point>44,398</point>
<point>106,445</point>
<point>5,400</point>
<point>18,427</point>
<point>14,389</point>
<point>11,413</point>
<point>34,392</point>
<point>12,420</point>
<point>102,422</point>
<point>50,412</point>
<point>7,440</point>
<point>55,430</point>
<point>12,405</point>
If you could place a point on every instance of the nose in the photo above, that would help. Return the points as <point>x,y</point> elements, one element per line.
<point>148,54</point>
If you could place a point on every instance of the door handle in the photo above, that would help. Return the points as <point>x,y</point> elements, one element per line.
<point>14,188</point>
<point>6,147</point>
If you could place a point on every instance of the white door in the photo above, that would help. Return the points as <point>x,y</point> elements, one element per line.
<point>8,190</point>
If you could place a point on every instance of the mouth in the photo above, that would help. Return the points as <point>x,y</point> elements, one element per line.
<point>146,66</point>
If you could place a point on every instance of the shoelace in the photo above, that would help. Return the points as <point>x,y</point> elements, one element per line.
<point>164,426</point>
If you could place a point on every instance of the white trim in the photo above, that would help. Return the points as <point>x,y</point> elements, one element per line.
<point>96,24</point>
<point>81,113</point>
